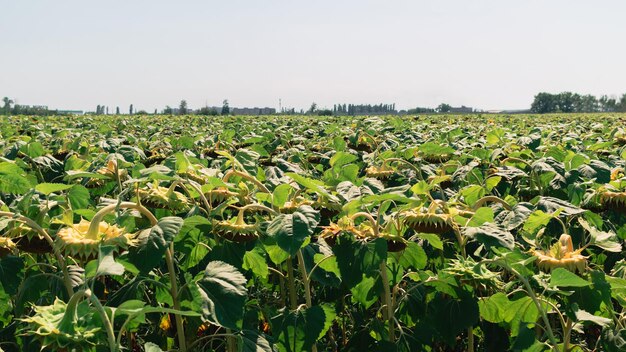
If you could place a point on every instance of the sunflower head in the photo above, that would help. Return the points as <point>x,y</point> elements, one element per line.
<point>76,241</point>
<point>428,222</point>
<point>436,158</point>
<point>613,200</point>
<point>109,172</point>
<point>219,195</point>
<point>236,230</point>
<point>345,225</point>
<point>65,326</point>
<point>7,246</point>
<point>291,205</point>
<point>163,198</point>
<point>445,181</point>
<point>380,172</point>
<point>561,255</point>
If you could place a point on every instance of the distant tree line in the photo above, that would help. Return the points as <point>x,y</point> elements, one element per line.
<point>363,109</point>
<point>574,102</point>
<point>10,108</point>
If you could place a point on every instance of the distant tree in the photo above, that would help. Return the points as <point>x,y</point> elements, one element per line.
<point>107,110</point>
<point>168,110</point>
<point>7,105</point>
<point>130,109</point>
<point>117,110</point>
<point>225,107</point>
<point>182,107</point>
<point>566,101</point>
<point>141,112</point>
<point>155,111</point>
<point>443,107</point>
<point>544,103</point>
<point>325,112</point>
<point>419,110</point>
<point>622,103</point>
<point>313,108</point>
<point>587,103</point>
<point>607,104</point>
<point>207,111</point>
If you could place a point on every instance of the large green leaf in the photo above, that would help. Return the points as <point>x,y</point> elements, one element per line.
<point>301,329</point>
<point>491,235</point>
<point>106,262</point>
<point>252,341</point>
<point>291,230</point>
<point>153,242</point>
<point>224,294</point>
<point>565,278</point>
<point>47,188</point>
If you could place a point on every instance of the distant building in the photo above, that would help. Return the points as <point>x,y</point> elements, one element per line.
<point>462,110</point>
<point>252,111</point>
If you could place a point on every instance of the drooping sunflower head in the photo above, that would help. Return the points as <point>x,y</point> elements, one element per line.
<point>344,225</point>
<point>236,230</point>
<point>76,240</point>
<point>380,172</point>
<point>219,195</point>
<point>291,205</point>
<point>109,172</point>
<point>617,173</point>
<point>561,255</point>
<point>26,239</point>
<point>65,326</point>
<point>428,222</point>
<point>163,198</point>
<point>7,246</point>
<point>18,229</point>
<point>613,200</point>
<point>445,181</point>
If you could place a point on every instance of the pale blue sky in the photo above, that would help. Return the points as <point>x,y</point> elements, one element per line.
<point>486,54</point>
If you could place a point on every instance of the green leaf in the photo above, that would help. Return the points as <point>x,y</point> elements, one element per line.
<point>536,220</point>
<point>106,262</point>
<point>413,257</point>
<point>356,258</point>
<point>493,308</point>
<point>291,230</point>
<point>433,239</point>
<point>151,347</point>
<point>582,315</point>
<point>563,277</point>
<point>11,273</point>
<point>301,329</point>
<point>281,194</point>
<point>256,263</point>
<point>78,197</point>
<point>481,216</point>
<point>252,341</point>
<point>153,242</point>
<point>522,310</point>
<point>47,188</point>
<point>495,136</point>
<point>605,240</point>
<point>472,193</point>
<point>224,294</point>
<point>364,293</point>
<point>420,188</point>
<point>491,235</point>
<point>342,158</point>
<point>14,184</point>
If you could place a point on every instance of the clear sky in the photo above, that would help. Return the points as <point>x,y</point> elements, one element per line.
<point>487,54</point>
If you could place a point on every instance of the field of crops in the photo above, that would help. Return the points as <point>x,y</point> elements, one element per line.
<point>417,233</point>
